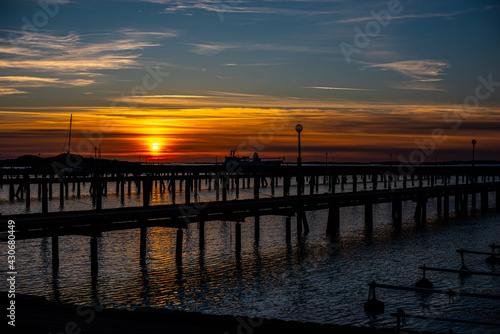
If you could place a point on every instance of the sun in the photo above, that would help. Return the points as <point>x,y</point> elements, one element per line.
<point>155,146</point>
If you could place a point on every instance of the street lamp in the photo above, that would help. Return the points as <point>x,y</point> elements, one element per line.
<point>473,146</point>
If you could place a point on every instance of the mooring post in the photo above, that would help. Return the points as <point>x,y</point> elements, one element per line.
<point>288,229</point>
<point>178,244</point>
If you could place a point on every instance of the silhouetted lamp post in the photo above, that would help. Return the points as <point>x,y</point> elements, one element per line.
<point>299,129</point>
<point>473,146</point>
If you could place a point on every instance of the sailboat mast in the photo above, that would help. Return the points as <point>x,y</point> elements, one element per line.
<point>69,142</point>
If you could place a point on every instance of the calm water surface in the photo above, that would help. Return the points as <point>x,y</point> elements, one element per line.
<point>307,280</point>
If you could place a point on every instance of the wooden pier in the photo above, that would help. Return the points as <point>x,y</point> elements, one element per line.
<point>456,182</point>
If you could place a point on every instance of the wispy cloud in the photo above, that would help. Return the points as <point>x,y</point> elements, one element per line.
<point>405,17</point>
<point>70,59</point>
<point>208,49</point>
<point>9,91</point>
<point>423,73</point>
<point>27,81</point>
<point>337,88</point>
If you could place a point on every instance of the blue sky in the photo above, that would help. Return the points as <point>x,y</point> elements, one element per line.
<point>247,54</point>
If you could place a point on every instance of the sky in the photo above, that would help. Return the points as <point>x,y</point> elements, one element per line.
<point>368,80</point>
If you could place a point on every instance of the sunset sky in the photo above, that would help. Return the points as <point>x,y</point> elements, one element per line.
<point>366,79</point>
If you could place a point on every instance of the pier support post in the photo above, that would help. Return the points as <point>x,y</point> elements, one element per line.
<point>237,185</point>
<point>421,210</point>
<point>369,214</point>
<point>27,188</point>
<point>225,186</point>
<point>484,201</point>
<point>374,182</point>
<point>256,186</point>
<point>473,199</point>
<point>397,211</point>
<point>333,224</point>
<point>288,229</point>
<point>257,228</point>
<point>187,190</point>
<point>497,199</point>
<point>286,186</point>
<point>61,195</point>
<point>178,244</point>
<point>439,205</point>
<point>122,191</point>
<point>354,183</point>
<point>45,201</point>
<point>145,191</point>
<point>458,196</point>
<point>446,207</point>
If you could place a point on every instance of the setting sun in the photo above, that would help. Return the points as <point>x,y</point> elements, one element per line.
<point>155,146</point>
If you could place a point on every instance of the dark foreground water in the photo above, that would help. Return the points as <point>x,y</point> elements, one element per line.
<point>308,280</point>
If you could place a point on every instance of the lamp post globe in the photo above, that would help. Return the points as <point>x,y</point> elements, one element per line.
<point>299,128</point>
